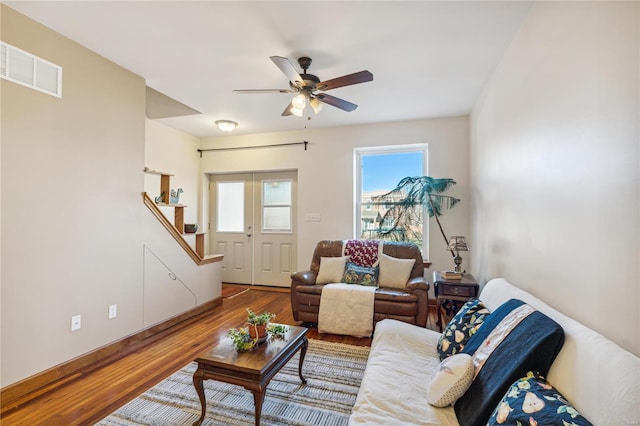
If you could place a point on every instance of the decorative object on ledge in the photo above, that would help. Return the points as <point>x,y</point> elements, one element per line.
<point>159,198</point>
<point>254,147</point>
<point>190,228</point>
<point>458,243</point>
<point>226,125</point>
<point>175,196</point>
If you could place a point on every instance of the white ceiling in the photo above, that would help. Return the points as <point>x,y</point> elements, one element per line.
<point>428,58</point>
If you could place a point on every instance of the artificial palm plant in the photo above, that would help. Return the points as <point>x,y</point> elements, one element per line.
<point>406,203</point>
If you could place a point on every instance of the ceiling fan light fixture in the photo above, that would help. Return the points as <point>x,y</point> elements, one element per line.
<point>299,101</point>
<point>296,111</point>
<point>316,105</point>
<point>226,125</point>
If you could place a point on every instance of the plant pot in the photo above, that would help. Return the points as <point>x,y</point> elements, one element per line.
<point>257,331</point>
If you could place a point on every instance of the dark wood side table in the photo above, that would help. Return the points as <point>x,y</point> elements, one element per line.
<point>460,290</point>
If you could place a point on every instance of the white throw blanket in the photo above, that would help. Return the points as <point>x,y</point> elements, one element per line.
<point>346,309</point>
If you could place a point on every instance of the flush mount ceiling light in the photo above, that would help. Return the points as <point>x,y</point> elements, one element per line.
<point>226,125</point>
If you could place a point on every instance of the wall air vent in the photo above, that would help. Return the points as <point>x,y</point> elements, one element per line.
<point>28,70</point>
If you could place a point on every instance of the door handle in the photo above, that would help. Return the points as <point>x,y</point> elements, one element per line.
<point>248,235</point>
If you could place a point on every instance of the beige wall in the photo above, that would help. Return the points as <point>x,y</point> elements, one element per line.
<point>554,165</point>
<point>326,175</point>
<point>71,184</point>
<point>175,152</point>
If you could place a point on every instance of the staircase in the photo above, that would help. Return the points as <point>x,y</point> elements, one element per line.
<point>176,229</point>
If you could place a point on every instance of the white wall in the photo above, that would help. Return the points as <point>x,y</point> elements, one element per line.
<point>554,165</point>
<point>74,227</point>
<point>71,206</point>
<point>325,173</point>
<point>172,151</point>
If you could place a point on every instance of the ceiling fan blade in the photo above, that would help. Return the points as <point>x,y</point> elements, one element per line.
<point>252,91</point>
<point>287,68</point>
<point>287,110</point>
<point>345,80</point>
<point>336,102</point>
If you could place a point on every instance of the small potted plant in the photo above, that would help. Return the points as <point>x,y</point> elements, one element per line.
<point>258,323</point>
<point>241,339</point>
<point>277,331</point>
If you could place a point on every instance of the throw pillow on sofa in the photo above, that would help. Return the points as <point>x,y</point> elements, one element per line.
<point>513,340</point>
<point>331,269</point>
<point>394,272</point>
<point>532,400</point>
<point>363,275</point>
<point>451,380</point>
<point>462,326</point>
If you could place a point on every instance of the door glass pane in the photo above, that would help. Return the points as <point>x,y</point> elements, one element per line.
<point>230,204</point>
<point>277,219</point>
<point>277,192</point>
<point>276,206</point>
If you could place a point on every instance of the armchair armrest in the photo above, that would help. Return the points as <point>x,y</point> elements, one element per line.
<point>303,277</point>
<point>420,287</point>
<point>299,278</point>
<point>417,283</point>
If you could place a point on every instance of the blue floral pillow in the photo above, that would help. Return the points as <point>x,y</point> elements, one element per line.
<point>461,327</point>
<point>363,275</point>
<point>531,400</point>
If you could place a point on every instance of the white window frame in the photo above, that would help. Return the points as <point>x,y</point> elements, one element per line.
<point>358,153</point>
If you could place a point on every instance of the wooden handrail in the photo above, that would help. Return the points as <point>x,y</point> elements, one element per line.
<point>177,235</point>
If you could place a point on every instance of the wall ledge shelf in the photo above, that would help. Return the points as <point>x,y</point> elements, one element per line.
<point>170,205</point>
<point>155,172</point>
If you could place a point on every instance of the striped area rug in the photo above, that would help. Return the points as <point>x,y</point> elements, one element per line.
<point>333,372</point>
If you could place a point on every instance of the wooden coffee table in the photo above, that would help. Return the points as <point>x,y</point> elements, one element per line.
<point>253,369</point>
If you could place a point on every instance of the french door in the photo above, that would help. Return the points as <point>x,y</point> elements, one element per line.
<point>253,226</point>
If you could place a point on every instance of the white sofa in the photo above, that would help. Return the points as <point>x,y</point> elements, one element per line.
<point>598,377</point>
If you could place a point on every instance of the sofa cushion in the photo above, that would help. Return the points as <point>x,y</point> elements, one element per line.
<point>462,326</point>
<point>524,339</point>
<point>402,360</point>
<point>363,275</point>
<point>331,269</point>
<point>451,380</point>
<point>394,272</point>
<point>532,400</point>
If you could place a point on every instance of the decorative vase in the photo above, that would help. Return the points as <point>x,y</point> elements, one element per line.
<point>257,331</point>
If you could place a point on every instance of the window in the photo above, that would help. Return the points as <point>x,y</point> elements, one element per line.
<point>230,206</point>
<point>276,206</point>
<point>379,170</point>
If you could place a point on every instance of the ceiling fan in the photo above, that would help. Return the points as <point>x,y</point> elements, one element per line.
<point>306,85</point>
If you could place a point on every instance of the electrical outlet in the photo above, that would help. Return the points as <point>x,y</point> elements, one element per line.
<point>113,311</point>
<point>76,322</point>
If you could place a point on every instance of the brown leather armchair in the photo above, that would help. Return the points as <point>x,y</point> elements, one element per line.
<point>409,304</point>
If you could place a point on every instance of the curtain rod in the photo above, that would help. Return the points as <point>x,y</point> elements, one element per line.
<point>255,146</point>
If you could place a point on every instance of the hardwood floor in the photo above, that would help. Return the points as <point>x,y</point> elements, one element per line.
<point>95,395</point>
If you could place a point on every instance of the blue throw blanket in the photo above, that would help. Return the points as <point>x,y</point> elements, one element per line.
<point>532,345</point>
